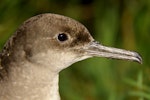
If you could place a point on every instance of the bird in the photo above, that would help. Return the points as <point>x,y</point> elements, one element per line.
<point>43,46</point>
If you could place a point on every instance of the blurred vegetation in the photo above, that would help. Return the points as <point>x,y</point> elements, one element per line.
<point>119,23</point>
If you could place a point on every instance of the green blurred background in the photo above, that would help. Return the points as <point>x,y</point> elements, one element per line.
<point>118,23</point>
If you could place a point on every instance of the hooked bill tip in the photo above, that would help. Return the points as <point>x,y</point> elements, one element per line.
<point>139,58</point>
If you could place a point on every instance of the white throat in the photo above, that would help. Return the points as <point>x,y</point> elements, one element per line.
<point>28,82</point>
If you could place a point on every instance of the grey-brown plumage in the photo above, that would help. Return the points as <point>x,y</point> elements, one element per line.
<point>42,46</point>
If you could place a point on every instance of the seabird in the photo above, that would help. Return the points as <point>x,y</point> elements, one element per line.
<point>41,47</point>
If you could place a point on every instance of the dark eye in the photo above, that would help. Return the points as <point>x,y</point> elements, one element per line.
<point>62,37</point>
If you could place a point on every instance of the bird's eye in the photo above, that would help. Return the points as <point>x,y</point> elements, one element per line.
<point>62,37</point>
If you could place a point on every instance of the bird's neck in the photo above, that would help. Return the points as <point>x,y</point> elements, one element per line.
<point>31,82</point>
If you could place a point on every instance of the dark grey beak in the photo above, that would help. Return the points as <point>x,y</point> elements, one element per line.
<point>96,49</point>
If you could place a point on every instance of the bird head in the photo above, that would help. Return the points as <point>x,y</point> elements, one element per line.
<point>56,40</point>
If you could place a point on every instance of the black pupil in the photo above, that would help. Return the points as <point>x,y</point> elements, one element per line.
<point>62,37</point>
